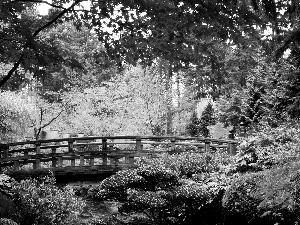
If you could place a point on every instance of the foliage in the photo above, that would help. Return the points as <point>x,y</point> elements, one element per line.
<point>4,221</point>
<point>133,103</point>
<point>25,114</point>
<point>207,119</point>
<point>268,197</point>
<point>14,112</point>
<point>268,148</point>
<point>131,31</point>
<point>41,202</point>
<point>157,193</point>
<point>187,164</point>
<point>192,127</point>
<point>172,189</point>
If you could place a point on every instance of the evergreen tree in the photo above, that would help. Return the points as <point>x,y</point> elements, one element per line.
<point>207,119</point>
<point>193,126</point>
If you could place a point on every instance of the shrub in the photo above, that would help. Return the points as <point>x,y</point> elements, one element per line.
<point>187,164</point>
<point>267,197</point>
<point>4,221</point>
<point>41,202</point>
<point>160,193</point>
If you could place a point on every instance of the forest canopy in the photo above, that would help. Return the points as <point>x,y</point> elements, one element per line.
<point>182,32</point>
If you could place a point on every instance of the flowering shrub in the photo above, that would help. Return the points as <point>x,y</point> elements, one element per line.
<point>267,197</point>
<point>40,202</point>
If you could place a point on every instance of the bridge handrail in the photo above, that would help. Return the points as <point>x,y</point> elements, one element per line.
<point>121,137</point>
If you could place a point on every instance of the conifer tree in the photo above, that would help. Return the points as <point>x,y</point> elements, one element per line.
<point>207,119</point>
<point>193,126</point>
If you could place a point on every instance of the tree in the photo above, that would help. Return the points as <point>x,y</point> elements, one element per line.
<point>177,31</point>
<point>132,103</point>
<point>193,127</point>
<point>207,119</point>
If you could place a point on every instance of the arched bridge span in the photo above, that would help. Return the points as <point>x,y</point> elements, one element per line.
<point>93,157</point>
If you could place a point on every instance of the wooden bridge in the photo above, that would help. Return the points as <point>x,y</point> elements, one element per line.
<point>87,158</point>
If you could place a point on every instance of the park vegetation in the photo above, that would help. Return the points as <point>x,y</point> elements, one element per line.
<point>147,67</point>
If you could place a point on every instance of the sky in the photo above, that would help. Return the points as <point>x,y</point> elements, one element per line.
<point>43,8</point>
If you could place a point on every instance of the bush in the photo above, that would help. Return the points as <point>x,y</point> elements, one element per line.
<point>41,202</point>
<point>187,164</point>
<point>4,221</point>
<point>171,190</point>
<point>268,148</point>
<point>267,197</point>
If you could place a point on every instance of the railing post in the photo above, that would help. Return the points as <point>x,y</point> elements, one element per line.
<point>37,163</point>
<point>207,146</point>
<point>4,149</point>
<point>59,161</point>
<point>37,148</point>
<point>173,146</point>
<point>70,145</point>
<point>231,146</point>
<point>131,160</point>
<point>104,159</point>
<point>71,150</point>
<point>53,151</point>
<point>81,160</point>
<point>111,161</point>
<point>138,144</point>
<point>16,165</point>
<point>104,144</point>
<point>92,161</point>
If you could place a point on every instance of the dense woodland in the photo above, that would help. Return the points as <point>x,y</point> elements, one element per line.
<point>153,67</point>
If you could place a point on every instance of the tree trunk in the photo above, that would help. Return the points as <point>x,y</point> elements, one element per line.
<point>169,97</point>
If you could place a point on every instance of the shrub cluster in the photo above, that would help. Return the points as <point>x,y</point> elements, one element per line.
<point>172,189</point>
<point>39,201</point>
<point>267,197</point>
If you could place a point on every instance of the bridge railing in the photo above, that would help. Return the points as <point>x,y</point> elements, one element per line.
<point>98,150</point>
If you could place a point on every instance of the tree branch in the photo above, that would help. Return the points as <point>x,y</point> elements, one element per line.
<point>16,65</point>
<point>12,70</point>
<point>54,118</point>
<point>40,126</point>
